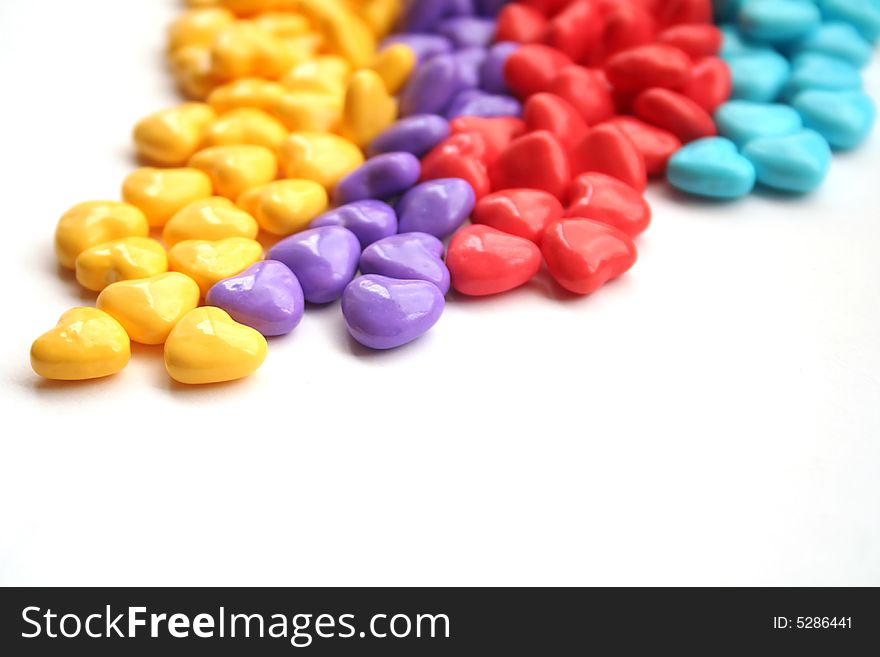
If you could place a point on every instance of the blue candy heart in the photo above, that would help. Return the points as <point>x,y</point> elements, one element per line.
<point>817,71</point>
<point>744,120</point>
<point>777,21</point>
<point>758,75</point>
<point>713,168</point>
<point>794,163</point>
<point>844,118</point>
<point>840,40</point>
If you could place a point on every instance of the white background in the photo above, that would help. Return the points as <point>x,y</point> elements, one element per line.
<point>711,418</point>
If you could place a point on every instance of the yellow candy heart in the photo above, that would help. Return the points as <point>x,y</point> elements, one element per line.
<point>369,108</point>
<point>149,308</point>
<point>213,218</point>
<point>321,157</point>
<point>159,193</point>
<point>394,65</point>
<point>309,111</point>
<point>246,125</point>
<point>171,136</point>
<point>247,92</point>
<point>325,74</point>
<point>197,27</point>
<point>235,169</point>
<point>120,260</point>
<point>88,224</point>
<point>208,346</point>
<point>87,343</point>
<point>285,207</point>
<point>344,32</point>
<point>380,15</point>
<point>209,262</point>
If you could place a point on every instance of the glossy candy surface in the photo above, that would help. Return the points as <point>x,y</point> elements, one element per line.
<point>283,207</point>
<point>87,343</point>
<point>208,346</point>
<point>583,255</point>
<point>149,308</point>
<point>369,220</point>
<point>94,222</point>
<point>713,168</point>
<point>161,193</point>
<point>797,162</point>
<point>208,262</point>
<point>384,313</point>
<point>484,261</point>
<point>408,256</point>
<point>519,211</point>
<point>120,260</point>
<point>323,259</point>
<point>381,177</point>
<point>213,218</point>
<point>437,207</point>
<point>266,296</point>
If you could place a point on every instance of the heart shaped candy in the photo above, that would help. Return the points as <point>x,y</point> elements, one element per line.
<point>535,160</point>
<point>608,150</point>
<point>655,144</point>
<point>709,83</point>
<point>207,262</point>
<point>758,74</point>
<point>369,109</point>
<point>415,134</point>
<point>744,120</point>
<point>436,207</point>
<point>587,91</point>
<point>149,308</point>
<point>448,164</point>
<point>549,112</point>
<point>577,28</point>
<point>370,220</point>
<point>533,67</point>
<point>520,23</point>
<point>381,177</point>
<point>495,133</point>
<point>120,260</point>
<point>654,65</point>
<point>408,256</point>
<point>87,343</point>
<point>208,346</point>
<point>384,313</point>
<point>607,200</point>
<point>583,255</point>
<point>483,261</point>
<point>323,259</point>
<point>793,163</point>
<point>844,118</point>
<point>492,78</point>
<point>266,296</point>
<point>712,168</point>
<point>432,86</point>
<point>696,40</point>
<point>522,212</point>
<point>674,112</point>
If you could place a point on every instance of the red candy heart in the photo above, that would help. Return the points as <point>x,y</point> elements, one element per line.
<point>533,67</point>
<point>459,156</point>
<point>655,65</point>
<point>484,261</point>
<point>496,132</point>
<point>520,24</point>
<point>576,29</point>
<point>710,83</point>
<point>676,113</point>
<point>655,144</point>
<point>536,160</point>
<point>522,212</point>
<point>586,91</point>
<point>626,26</point>
<point>583,255</point>
<point>546,7</point>
<point>550,112</point>
<point>607,200</point>
<point>696,40</point>
<point>678,12</point>
<point>608,150</point>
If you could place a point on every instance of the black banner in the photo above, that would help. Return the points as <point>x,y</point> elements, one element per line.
<point>452,621</point>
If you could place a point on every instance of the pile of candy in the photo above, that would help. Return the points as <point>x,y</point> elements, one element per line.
<point>361,151</point>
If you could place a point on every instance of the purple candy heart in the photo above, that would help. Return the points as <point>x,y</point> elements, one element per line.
<point>420,15</point>
<point>432,86</point>
<point>468,31</point>
<point>381,177</point>
<point>437,207</point>
<point>492,71</point>
<point>470,61</point>
<point>489,7</point>
<point>369,220</point>
<point>383,313</point>
<point>424,46</point>
<point>415,134</point>
<point>474,102</point>
<point>324,260</point>
<point>266,296</point>
<point>408,256</point>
